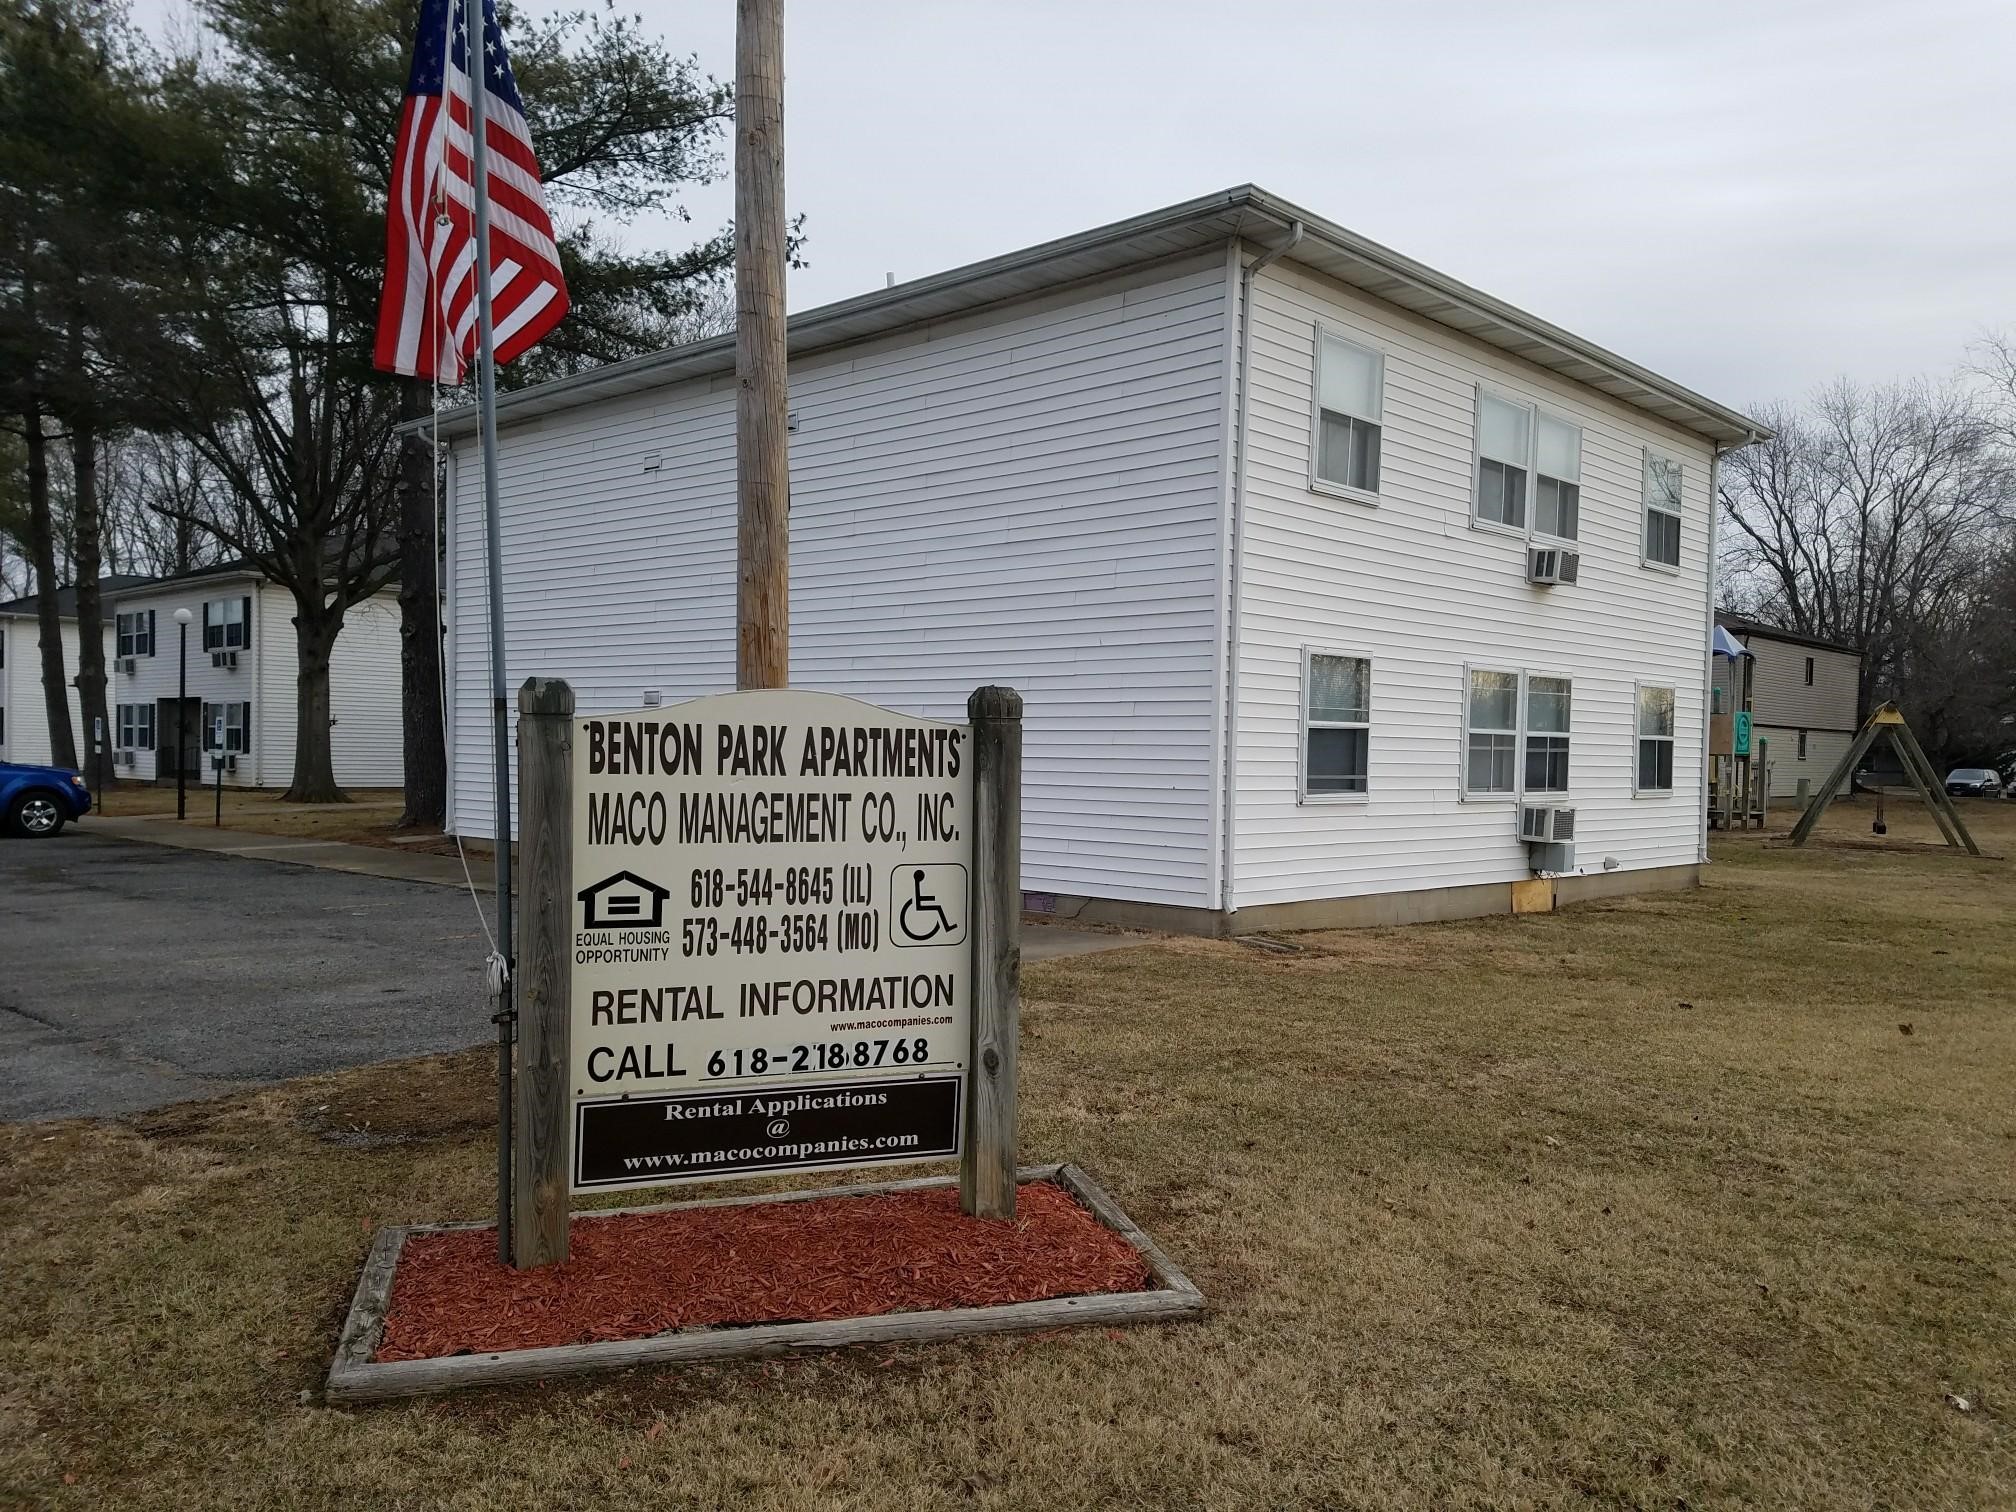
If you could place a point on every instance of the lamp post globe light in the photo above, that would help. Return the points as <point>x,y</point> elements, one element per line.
<point>182,618</point>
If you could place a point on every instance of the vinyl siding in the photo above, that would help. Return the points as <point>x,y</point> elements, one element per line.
<point>1779,695</point>
<point>26,736</point>
<point>1028,496</point>
<point>1823,749</point>
<point>1410,584</point>
<point>364,681</point>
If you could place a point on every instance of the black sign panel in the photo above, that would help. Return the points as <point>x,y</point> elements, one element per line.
<point>643,1141</point>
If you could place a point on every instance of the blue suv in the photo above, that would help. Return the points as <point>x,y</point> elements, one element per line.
<point>39,800</point>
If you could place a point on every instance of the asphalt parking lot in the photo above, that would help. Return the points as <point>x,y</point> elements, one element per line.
<point>136,975</point>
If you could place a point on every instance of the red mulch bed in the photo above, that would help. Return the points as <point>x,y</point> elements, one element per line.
<point>642,1274</point>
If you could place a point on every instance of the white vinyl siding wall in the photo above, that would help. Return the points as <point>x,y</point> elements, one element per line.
<point>364,682</point>
<point>26,736</point>
<point>1416,587</point>
<point>1031,496</point>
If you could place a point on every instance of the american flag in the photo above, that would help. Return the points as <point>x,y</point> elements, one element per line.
<point>427,317</point>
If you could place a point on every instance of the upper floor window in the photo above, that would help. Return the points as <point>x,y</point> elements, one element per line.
<point>136,633</point>
<point>1528,463</point>
<point>1337,732</point>
<point>1350,406</point>
<point>1557,467</point>
<point>1655,740</point>
<point>1662,510</point>
<point>1809,671</point>
<point>225,624</point>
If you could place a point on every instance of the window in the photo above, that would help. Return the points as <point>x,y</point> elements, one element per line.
<point>1802,745</point>
<point>237,726</point>
<point>1350,389</point>
<point>136,727</point>
<point>1547,720</point>
<point>1492,732</point>
<point>1522,449</point>
<point>1504,440</point>
<point>136,633</point>
<point>1662,510</point>
<point>1655,740</point>
<point>1337,700</point>
<point>1809,671</point>
<point>1516,733</point>
<point>224,624</point>
<point>1557,467</point>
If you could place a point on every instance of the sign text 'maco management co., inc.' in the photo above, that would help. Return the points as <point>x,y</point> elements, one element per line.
<point>771,960</point>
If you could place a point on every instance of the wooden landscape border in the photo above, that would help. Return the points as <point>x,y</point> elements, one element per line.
<point>355,1377</point>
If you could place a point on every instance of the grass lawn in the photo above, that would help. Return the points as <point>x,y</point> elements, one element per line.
<point>1695,1200</point>
<point>367,819</point>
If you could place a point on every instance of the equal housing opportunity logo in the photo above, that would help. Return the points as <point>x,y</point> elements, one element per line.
<point>624,901</point>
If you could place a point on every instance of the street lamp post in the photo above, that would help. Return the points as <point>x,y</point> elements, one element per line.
<point>182,618</point>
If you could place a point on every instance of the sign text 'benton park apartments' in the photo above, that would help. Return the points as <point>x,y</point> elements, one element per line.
<point>770,949</point>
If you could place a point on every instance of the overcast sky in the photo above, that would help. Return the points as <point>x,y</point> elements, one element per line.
<point>1749,196</point>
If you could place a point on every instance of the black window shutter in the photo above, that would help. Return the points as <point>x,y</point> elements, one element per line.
<point>245,724</point>
<point>245,624</point>
<point>150,632</point>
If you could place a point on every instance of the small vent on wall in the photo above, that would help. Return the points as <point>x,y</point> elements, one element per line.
<point>651,461</point>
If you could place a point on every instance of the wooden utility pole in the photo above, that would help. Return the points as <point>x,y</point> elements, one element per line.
<point>545,966</point>
<point>762,365</point>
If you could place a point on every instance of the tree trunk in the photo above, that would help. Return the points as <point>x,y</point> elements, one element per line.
<point>315,630</point>
<point>420,622</point>
<point>90,613</point>
<point>42,548</point>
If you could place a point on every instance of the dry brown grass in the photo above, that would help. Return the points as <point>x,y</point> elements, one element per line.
<point>1644,1204</point>
<point>368,818</point>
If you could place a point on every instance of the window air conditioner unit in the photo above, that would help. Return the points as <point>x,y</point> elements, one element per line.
<point>230,761</point>
<point>128,665</point>
<point>1546,826</point>
<point>228,660</point>
<point>122,758</point>
<point>1552,564</point>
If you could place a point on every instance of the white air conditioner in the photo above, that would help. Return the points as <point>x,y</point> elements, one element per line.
<point>128,665</point>
<point>228,660</point>
<point>1552,564</point>
<point>123,758</point>
<point>1546,826</point>
<point>230,761</point>
<point>1551,858</point>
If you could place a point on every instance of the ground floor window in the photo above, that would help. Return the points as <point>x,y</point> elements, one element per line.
<point>136,727</point>
<point>1655,740</point>
<point>1516,732</point>
<point>230,721</point>
<point>1337,724</point>
<point>1802,745</point>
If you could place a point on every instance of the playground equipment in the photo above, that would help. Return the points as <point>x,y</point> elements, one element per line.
<point>1887,723</point>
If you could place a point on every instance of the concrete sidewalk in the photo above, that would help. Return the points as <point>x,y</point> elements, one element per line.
<point>1040,942</point>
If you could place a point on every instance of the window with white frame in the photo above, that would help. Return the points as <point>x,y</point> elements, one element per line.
<point>1504,455</point>
<point>1557,476</point>
<point>1350,409</point>
<point>235,720</point>
<point>1655,740</point>
<point>136,633</point>
<point>224,623</point>
<point>1802,745</point>
<point>136,727</point>
<point>1662,510</point>
<point>1548,716</point>
<point>1337,724</point>
<point>1491,732</point>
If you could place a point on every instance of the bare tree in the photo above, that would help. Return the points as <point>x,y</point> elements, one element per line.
<point>1869,518</point>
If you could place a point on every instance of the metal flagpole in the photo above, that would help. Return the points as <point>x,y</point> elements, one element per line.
<point>486,397</point>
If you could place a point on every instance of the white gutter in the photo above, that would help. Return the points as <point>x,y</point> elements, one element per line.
<point>1236,564</point>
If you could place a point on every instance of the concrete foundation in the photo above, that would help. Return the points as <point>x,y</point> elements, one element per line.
<point>1422,906</point>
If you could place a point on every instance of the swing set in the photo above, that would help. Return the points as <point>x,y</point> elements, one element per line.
<point>1888,723</point>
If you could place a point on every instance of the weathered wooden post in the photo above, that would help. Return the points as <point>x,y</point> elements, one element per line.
<point>987,1168</point>
<point>546,835</point>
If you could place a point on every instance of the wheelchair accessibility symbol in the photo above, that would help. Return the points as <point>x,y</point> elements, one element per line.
<point>927,904</point>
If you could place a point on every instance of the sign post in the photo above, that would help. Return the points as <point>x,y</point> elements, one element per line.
<point>765,932</point>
